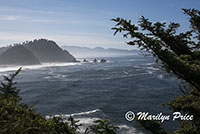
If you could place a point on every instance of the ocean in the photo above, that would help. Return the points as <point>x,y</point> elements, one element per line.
<point>89,91</point>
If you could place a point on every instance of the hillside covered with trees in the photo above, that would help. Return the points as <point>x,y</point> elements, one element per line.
<point>34,52</point>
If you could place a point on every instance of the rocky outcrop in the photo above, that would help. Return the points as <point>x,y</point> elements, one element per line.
<point>103,61</point>
<point>85,60</point>
<point>95,60</point>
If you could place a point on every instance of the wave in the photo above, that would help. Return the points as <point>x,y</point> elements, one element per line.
<point>43,65</point>
<point>85,122</point>
<point>132,60</point>
<point>88,112</point>
<point>75,114</point>
<point>152,68</point>
<point>160,76</point>
<point>150,72</point>
<point>124,129</point>
<point>98,61</point>
<point>125,72</point>
<point>126,75</point>
<point>148,64</point>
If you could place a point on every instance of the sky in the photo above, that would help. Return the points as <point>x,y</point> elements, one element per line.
<point>85,23</point>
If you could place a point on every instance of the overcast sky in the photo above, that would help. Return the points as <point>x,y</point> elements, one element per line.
<point>82,22</point>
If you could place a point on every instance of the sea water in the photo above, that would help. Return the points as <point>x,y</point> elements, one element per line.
<point>90,91</point>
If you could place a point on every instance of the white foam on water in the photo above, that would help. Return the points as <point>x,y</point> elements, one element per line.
<point>98,61</point>
<point>125,72</point>
<point>75,114</point>
<point>160,76</point>
<point>153,68</point>
<point>88,112</point>
<point>128,130</point>
<point>43,65</point>
<point>59,76</point>
<point>148,64</point>
<point>150,72</point>
<point>132,60</point>
<point>88,121</point>
<point>5,69</point>
<point>124,76</point>
<point>85,123</point>
<point>47,77</point>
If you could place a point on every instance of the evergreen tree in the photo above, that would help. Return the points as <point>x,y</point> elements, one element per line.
<point>179,53</point>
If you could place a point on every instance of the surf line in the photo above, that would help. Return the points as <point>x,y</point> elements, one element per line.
<point>74,114</point>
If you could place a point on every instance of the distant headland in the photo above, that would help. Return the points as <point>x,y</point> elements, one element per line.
<point>34,53</point>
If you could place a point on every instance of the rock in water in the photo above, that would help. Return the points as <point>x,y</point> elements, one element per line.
<point>95,60</point>
<point>103,61</point>
<point>85,60</point>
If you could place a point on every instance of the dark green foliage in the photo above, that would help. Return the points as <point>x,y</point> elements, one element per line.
<point>102,127</point>
<point>7,90</point>
<point>179,53</point>
<point>73,123</point>
<point>18,118</point>
<point>153,126</point>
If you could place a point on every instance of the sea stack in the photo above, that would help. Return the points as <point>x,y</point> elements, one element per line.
<point>95,60</point>
<point>103,61</point>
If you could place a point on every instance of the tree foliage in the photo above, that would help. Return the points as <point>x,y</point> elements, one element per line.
<point>101,127</point>
<point>179,53</point>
